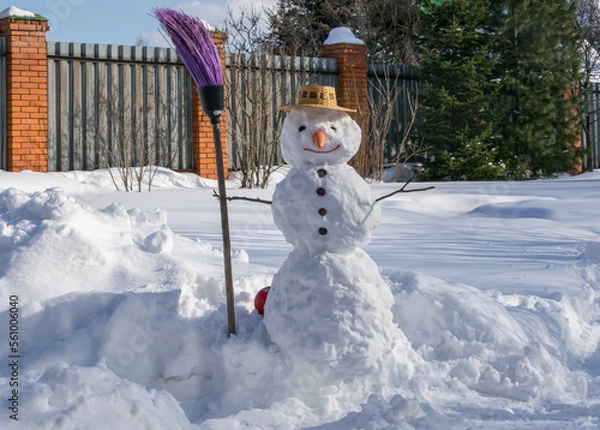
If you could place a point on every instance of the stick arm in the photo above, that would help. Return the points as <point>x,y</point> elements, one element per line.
<point>404,190</point>
<point>248,199</point>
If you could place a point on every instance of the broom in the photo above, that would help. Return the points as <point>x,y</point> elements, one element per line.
<point>194,45</point>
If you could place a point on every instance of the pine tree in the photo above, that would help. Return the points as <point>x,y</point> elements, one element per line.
<point>539,71</point>
<point>457,61</point>
<point>500,82</point>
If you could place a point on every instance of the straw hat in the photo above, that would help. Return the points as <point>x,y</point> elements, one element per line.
<point>317,96</point>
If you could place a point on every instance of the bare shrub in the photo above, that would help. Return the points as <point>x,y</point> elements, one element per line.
<point>133,139</point>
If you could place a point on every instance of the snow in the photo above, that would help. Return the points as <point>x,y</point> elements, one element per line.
<point>122,322</point>
<point>15,11</point>
<point>340,35</point>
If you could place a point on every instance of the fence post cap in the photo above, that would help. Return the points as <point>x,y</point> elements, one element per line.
<point>16,13</point>
<point>342,35</point>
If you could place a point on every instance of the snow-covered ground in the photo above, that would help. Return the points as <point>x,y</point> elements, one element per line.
<point>122,323</point>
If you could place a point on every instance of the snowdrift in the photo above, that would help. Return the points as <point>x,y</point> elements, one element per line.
<point>122,321</point>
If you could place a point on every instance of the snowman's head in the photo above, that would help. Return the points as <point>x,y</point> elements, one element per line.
<point>316,136</point>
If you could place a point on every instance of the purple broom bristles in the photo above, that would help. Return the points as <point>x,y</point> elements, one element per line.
<point>193,44</point>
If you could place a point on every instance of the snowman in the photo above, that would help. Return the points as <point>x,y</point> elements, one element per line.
<point>328,304</point>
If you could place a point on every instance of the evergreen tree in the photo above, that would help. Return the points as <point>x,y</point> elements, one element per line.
<point>500,79</point>
<point>457,60</point>
<point>539,70</point>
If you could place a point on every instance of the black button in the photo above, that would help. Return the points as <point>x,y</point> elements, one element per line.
<point>322,231</point>
<point>321,191</point>
<point>322,211</point>
<point>321,172</point>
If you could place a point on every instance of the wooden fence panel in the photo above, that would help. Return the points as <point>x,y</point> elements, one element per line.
<point>257,87</point>
<point>592,159</point>
<point>104,97</point>
<point>400,82</point>
<point>3,142</point>
<point>110,103</point>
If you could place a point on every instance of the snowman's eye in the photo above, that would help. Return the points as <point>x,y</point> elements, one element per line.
<point>333,128</point>
<point>302,128</point>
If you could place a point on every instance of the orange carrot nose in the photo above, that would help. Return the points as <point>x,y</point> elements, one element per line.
<point>319,138</point>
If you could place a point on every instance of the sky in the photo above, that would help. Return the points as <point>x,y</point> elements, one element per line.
<point>122,21</point>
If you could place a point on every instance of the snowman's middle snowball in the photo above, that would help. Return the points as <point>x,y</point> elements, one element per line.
<point>327,209</point>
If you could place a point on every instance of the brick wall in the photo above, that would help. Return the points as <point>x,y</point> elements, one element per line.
<point>352,75</point>
<point>26,94</point>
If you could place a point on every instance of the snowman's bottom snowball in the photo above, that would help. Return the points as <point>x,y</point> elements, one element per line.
<point>333,311</point>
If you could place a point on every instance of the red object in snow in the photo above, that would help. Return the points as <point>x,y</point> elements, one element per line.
<point>260,300</point>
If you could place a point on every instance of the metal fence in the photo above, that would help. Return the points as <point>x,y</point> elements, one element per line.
<point>248,76</point>
<point>110,103</point>
<point>2,103</point>
<point>592,159</point>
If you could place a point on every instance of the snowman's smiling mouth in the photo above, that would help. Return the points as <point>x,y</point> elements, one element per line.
<point>323,152</point>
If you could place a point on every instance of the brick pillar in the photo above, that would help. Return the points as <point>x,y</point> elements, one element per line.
<point>352,75</point>
<point>203,145</point>
<point>352,87</point>
<point>26,93</point>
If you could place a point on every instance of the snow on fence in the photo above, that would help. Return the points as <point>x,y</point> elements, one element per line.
<point>2,103</point>
<point>115,105</point>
